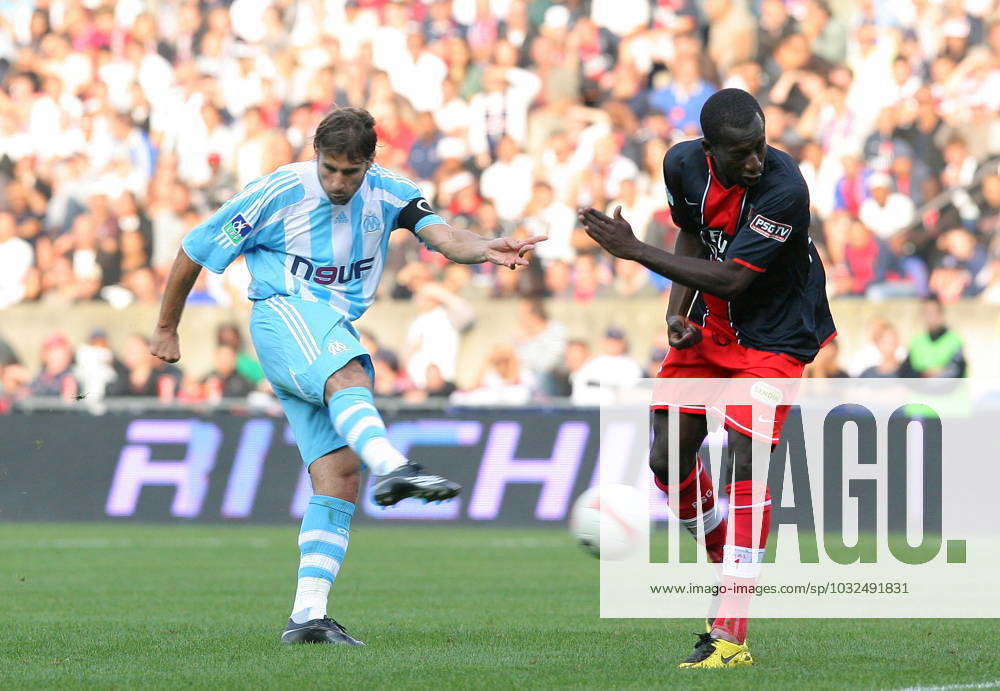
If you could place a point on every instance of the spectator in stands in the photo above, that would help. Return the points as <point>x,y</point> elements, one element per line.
<point>850,188</point>
<point>989,280</point>
<point>546,216</point>
<point>866,261</point>
<point>97,369</point>
<point>120,128</point>
<point>632,280</point>
<point>684,96</point>
<point>389,380</point>
<point>988,224</point>
<point>885,144</point>
<point>577,353</point>
<point>425,157</point>
<point>148,376</point>
<point>224,381</point>
<point>431,338</point>
<point>247,365</point>
<point>613,369</point>
<point>869,354</point>
<point>826,365</point>
<point>507,182</point>
<point>960,261</point>
<point>499,381</point>
<point>541,342</point>
<point>16,258</point>
<point>888,347</point>
<point>732,38</point>
<point>436,387</point>
<point>937,352</point>
<point>56,377</point>
<point>886,212</point>
<point>500,110</point>
<point>8,356</point>
<point>558,280</point>
<point>591,279</point>
<point>775,24</point>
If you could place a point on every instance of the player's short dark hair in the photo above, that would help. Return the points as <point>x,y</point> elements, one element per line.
<point>728,108</point>
<point>347,132</point>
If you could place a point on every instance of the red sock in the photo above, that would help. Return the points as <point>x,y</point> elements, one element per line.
<point>693,491</point>
<point>747,553</point>
<point>688,493</point>
<point>715,542</point>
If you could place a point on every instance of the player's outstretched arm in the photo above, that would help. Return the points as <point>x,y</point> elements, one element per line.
<point>165,344</point>
<point>723,279</point>
<point>465,247</point>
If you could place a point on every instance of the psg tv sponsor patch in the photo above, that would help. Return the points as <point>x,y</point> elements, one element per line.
<point>770,229</point>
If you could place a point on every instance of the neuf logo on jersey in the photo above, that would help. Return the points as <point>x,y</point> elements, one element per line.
<point>327,275</point>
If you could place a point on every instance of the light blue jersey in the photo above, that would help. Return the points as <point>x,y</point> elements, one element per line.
<point>298,243</point>
<point>314,266</point>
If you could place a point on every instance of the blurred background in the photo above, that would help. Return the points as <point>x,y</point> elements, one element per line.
<point>124,124</point>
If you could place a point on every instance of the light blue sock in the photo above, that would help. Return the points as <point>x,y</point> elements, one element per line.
<point>356,419</point>
<point>323,537</point>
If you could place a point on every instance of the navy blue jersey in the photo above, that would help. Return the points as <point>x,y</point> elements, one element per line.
<point>765,228</point>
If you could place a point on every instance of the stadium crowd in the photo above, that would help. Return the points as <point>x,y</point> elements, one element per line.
<point>543,363</point>
<point>121,128</point>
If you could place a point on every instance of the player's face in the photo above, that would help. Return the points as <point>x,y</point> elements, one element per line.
<point>339,176</point>
<point>739,157</point>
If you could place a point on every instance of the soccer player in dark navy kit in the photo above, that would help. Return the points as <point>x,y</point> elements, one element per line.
<point>748,301</point>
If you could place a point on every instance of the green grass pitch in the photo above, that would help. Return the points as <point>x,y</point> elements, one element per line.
<point>126,605</point>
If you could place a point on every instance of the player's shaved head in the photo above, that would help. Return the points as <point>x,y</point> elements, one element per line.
<point>348,133</point>
<point>733,124</point>
<point>727,112</point>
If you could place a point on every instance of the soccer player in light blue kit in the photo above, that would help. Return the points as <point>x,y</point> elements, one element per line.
<point>315,235</point>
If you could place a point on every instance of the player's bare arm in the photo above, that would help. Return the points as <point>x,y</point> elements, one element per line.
<point>465,247</point>
<point>164,343</point>
<point>724,279</point>
<point>681,331</point>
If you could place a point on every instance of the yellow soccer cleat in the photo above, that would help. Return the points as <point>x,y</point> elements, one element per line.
<point>717,653</point>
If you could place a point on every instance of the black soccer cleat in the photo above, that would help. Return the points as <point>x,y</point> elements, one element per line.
<point>325,630</point>
<point>410,480</point>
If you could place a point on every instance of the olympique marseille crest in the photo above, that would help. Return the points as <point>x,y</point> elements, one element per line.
<point>371,223</point>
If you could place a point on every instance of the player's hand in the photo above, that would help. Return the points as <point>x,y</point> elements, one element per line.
<point>613,234</point>
<point>682,332</point>
<point>510,252</point>
<point>165,345</point>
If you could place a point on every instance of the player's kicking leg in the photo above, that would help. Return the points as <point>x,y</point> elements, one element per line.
<point>354,416</point>
<point>695,494</point>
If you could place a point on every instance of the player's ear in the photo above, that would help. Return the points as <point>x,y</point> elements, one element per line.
<point>706,147</point>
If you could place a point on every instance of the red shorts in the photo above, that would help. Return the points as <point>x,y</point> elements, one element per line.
<point>719,356</point>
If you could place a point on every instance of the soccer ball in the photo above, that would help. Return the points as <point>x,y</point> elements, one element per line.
<point>621,510</point>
